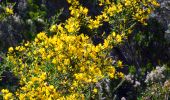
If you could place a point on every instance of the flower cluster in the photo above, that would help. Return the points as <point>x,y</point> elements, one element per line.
<point>121,15</point>
<point>70,63</point>
<point>7,94</point>
<point>129,9</point>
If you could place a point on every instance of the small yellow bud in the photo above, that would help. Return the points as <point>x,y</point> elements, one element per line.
<point>95,90</point>
<point>9,10</point>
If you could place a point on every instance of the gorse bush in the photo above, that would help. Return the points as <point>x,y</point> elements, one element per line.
<point>63,62</point>
<point>120,14</point>
<point>71,64</point>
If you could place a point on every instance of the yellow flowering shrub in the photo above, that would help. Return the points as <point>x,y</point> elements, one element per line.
<point>61,66</point>
<point>122,15</point>
<point>67,65</point>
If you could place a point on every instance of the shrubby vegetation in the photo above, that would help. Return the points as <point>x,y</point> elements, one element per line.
<point>91,49</point>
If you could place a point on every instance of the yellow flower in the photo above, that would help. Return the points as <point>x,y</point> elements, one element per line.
<point>42,36</point>
<point>118,38</point>
<point>120,74</point>
<point>94,23</point>
<point>75,84</point>
<point>54,61</point>
<point>155,3</point>
<point>51,87</point>
<point>17,48</point>
<point>113,34</point>
<point>111,72</point>
<point>106,43</point>
<point>27,44</point>
<point>43,76</point>
<point>4,91</point>
<point>8,96</point>
<point>95,90</point>
<point>21,48</point>
<point>127,2</point>
<point>53,28</point>
<point>119,63</point>
<point>9,10</point>
<point>66,61</point>
<point>85,11</point>
<point>10,49</point>
<point>72,25</point>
